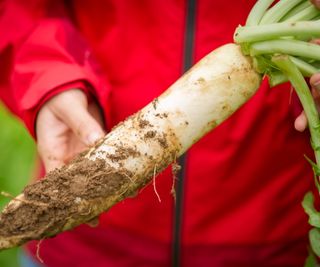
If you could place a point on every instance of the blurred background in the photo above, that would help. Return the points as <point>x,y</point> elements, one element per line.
<point>17,167</point>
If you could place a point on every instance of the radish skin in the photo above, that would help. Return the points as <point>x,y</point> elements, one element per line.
<point>200,100</point>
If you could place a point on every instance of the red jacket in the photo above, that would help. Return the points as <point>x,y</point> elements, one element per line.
<point>244,181</point>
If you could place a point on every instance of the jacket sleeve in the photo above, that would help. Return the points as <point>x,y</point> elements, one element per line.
<point>42,55</point>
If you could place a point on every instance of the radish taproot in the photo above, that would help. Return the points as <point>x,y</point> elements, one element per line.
<point>131,153</point>
<point>128,158</point>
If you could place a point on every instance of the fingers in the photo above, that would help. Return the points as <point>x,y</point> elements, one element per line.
<point>301,123</point>
<point>65,126</point>
<point>315,81</point>
<point>51,164</point>
<point>51,141</point>
<point>316,3</point>
<point>72,108</point>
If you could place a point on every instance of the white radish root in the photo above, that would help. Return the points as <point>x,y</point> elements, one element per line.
<point>124,161</point>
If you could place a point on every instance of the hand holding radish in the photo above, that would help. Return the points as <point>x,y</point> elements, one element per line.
<point>66,125</point>
<point>301,122</point>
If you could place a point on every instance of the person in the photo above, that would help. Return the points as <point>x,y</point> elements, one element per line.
<point>71,70</point>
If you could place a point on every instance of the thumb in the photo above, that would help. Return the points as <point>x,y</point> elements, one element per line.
<point>72,109</point>
<point>315,81</point>
<point>301,122</point>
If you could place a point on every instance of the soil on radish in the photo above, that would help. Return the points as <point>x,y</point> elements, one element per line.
<point>49,203</point>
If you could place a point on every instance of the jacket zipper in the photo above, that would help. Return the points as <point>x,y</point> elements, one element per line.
<point>178,211</point>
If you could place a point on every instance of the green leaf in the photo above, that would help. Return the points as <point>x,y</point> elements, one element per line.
<point>245,48</point>
<point>314,236</point>
<point>316,181</point>
<point>311,261</point>
<point>315,167</point>
<point>276,78</point>
<point>314,215</point>
<point>17,157</point>
<point>316,172</point>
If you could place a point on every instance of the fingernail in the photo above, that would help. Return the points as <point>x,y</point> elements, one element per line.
<point>93,138</point>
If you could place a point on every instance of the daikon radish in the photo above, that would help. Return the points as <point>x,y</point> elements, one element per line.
<point>129,157</point>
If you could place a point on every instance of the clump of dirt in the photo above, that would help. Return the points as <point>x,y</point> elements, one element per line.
<point>163,141</point>
<point>155,103</point>
<point>51,201</point>
<point>122,153</point>
<point>144,123</point>
<point>162,115</point>
<point>150,134</point>
<point>175,168</point>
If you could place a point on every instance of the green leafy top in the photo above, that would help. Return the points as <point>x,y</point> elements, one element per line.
<point>287,27</point>
<point>279,37</point>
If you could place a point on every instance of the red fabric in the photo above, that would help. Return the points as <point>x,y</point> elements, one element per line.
<point>245,180</point>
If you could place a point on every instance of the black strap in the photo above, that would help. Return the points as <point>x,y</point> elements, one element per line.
<point>178,212</point>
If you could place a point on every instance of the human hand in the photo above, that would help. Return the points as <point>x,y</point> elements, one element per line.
<point>301,121</point>
<point>65,126</point>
